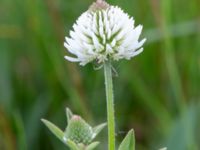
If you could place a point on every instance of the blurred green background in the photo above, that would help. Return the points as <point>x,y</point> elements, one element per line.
<point>157,93</point>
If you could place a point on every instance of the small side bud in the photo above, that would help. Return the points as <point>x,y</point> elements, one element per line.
<point>79,131</point>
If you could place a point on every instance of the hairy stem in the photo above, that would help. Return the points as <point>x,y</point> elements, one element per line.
<point>110,105</point>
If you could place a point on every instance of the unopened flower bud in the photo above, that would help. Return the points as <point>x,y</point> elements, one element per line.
<point>79,131</point>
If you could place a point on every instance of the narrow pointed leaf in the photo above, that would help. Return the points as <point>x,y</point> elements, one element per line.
<point>81,146</point>
<point>69,114</point>
<point>129,142</point>
<point>54,129</point>
<point>165,148</point>
<point>98,129</point>
<point>92,146</point>
<point>72,145</point>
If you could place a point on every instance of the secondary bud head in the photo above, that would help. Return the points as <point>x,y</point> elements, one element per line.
<point>79,131</point>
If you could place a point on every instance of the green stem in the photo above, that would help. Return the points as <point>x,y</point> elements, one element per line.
<point>110,105</point>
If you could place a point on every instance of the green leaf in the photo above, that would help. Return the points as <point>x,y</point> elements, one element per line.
<point>98,129</point>
<point>165,148</point>
<point>54,129</point>
<point>69,114</point>
<point>92,146</point>
<point>129,142</point>
<point>72,145</point>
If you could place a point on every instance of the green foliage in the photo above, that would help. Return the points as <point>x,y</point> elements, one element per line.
<point>72,145</point>
<point>129,142</point>
<point>54,129</point>
<point>92,146</point>
<point>98,128</point>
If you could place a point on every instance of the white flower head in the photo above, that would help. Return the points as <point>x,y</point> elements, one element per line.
<point>102,33</point>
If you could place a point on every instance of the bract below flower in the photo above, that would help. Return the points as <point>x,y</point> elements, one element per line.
<point>103,32</point>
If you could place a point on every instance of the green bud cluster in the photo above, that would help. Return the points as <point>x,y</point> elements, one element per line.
<point>79,131</point>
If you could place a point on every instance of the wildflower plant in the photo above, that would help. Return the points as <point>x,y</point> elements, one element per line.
<point>102,34</point>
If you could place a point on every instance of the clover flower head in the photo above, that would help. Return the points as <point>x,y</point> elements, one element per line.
<point>102,33</point>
